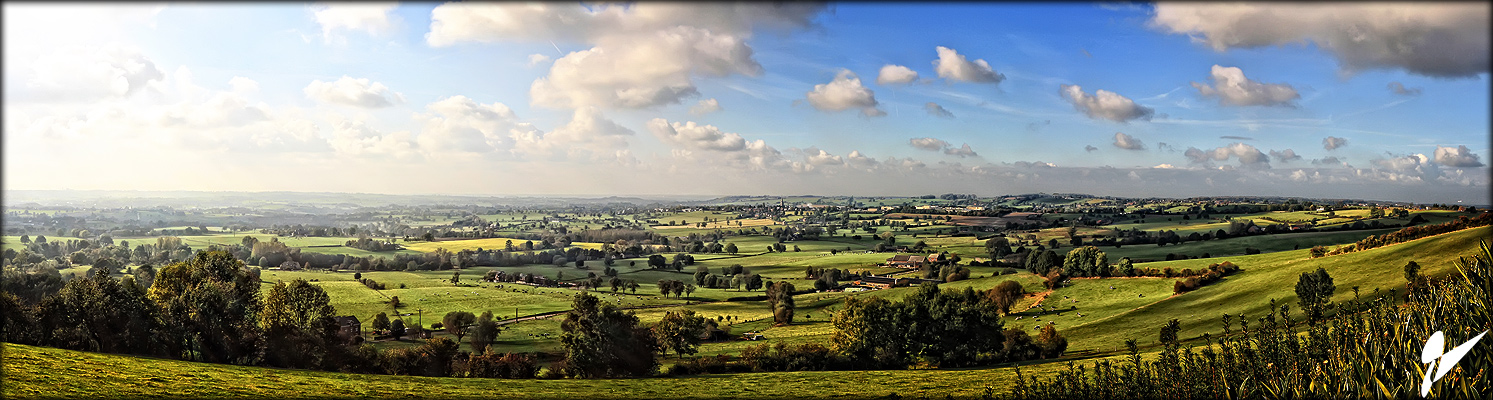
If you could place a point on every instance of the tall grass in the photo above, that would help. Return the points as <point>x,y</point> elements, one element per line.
<point>1371,348</point>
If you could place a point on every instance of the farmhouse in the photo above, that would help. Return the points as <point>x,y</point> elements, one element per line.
<point>877,282</point>
<point>349,327</point>
<point>905,261</point>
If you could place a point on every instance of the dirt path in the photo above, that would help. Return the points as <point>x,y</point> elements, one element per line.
<point>1040,296</point>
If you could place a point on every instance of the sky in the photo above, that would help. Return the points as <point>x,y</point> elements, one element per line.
<point>1378,101</point>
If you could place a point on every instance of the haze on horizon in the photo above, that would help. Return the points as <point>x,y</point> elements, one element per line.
<point>1382,101</point>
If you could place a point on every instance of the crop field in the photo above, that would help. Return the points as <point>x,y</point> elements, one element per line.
<point>723,224</point>
<point>474,244</point>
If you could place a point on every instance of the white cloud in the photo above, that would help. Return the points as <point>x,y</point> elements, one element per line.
<point>353,92</point>
<point>705,106</point>
<point>1459,157</point>
<point>928,143</point>
<point>857,160</point>
<point>1331,142</point>
<point>77,73</point>
<point>954,66</point>
<point>1233,89</point>
<point>642,55</point>
<point>1431,39</point>
<point>1416,167</point>
<point>461,124</point>
<point>1105,104</point>
<point>1286,155</point>
<point>895,75</point>
<point>356,138</point>
<point>1248,156</point>
<point>819,157</point>
<point>692,136</point>
<point>963,151</point>
<point>1400,89</point>
<point>1128,142</point>
<point>938,111</point>
<point>242,85</point>
<point>373,18</point>
<point>536,59</point>
<point>645,70</point>
<point>589,126</point>
<point>844,93</point>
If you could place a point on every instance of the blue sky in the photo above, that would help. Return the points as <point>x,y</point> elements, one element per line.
<point>560,98</point>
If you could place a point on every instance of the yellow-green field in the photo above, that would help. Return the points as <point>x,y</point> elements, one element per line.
<point>32,373</point>
<point>474,244</point>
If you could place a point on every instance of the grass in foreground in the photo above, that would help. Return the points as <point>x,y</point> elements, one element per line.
<point>41,372</point>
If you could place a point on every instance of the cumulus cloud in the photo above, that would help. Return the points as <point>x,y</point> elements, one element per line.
<point>938,111</point>
<point>1430,39</point>
<point>353,92</point>
<point>692,136</point>
<point>844,93</point>
<point>710,145</point>
<point>1089,148</point>
<point>1105,104</point>
<point>642,55</point>
<point>963,151</point>
<point>1034,164</point>
<point>1233,89</point>
<point>588,125</point>
<point>1331,142</point>
<point>356,138</point>
<point>1459,157</point>
<point>954,66</point>
<point>1329,160</point>
<point>373,18</point>
<point>895,75</point>
<point>928,143</point>
<point>705,107</point>
<point>1128,142</point>
<point>818,157</point>
<point>1416,167</point>
<point>459,123</point>
<point>222,109</point>
<point>1400,89</point>
<point>860,161</point>
<point>536,59</point>
<point>1248,156</point>
<point>1286,155</point>
<point>75,73</point>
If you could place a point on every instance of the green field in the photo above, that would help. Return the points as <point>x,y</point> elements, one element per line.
<point>1272,276</point>
<point>474,244</point>
<point>30,373</point>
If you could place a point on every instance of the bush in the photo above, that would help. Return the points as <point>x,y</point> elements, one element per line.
<point>507,365</point>
<point>708,365</point>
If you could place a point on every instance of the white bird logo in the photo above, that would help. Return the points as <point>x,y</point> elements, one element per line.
<point>1442,362</point>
